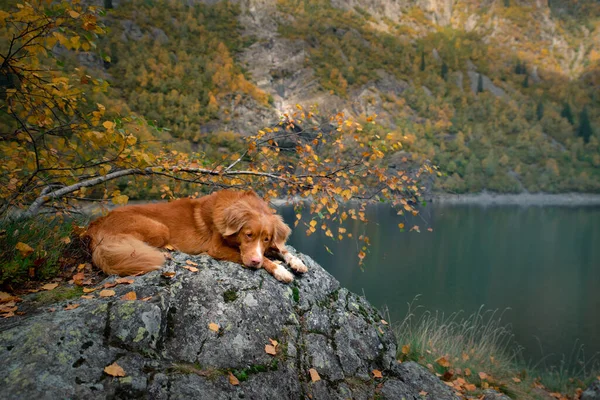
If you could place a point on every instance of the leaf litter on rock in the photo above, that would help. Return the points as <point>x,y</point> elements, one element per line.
<point>114,369</point>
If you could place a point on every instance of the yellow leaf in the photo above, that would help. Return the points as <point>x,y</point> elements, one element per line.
<point>467,371</point>
<point>269,349</point>
<point>213,327</point>
<point>89,290</point>
<point>24,249</point>
<point>124,281</point>
<point>107,293</point>
<point>114,370</point>
<point>120,199</point>
<point>191,269</point>
<point>314,375</point>
<point>129,296</point>
<point>377,374</point>
<point>71,307</point>
<point>233,380</point>
<point>483,376</point>
<point>49,286</point>
<point>383,321</point>
<point>443,361</point>
<point>423,393</point>
<point>87,297</point>
<point>406,349</point>
<point>516,380</point>
<point>108,125</point>
<point>74,14</point>
<point>470,387</point>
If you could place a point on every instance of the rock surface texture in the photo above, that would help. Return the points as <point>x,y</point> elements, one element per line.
<point>168,350</point>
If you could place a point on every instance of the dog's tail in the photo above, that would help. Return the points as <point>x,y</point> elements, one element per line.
<point>125,255</point>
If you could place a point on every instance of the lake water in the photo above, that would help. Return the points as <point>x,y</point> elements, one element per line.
<point>541,262</point>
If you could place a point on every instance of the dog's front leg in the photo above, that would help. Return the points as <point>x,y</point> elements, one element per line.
<point>294,262</point>
<point>278,271</point>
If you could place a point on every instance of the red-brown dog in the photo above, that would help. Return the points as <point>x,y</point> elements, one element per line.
<point>228,225</point>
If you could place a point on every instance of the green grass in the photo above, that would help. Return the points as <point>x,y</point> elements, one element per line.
<point>54,241</point>
<point>462,346</point>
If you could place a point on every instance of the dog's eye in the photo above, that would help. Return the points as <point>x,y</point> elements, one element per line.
<point>248,235</point>
<point>267,239</point>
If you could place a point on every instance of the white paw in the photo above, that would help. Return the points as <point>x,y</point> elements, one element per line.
<point>282,274</point>
<point>296,264</point>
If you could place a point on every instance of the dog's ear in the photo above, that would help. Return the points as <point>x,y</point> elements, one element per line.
<point>233,219</point>
<point>280,233</point>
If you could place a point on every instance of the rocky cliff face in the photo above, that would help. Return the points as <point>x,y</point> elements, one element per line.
<point>187,331</point>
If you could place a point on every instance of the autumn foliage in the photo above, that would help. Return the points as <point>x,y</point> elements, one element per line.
<point>59,147</point>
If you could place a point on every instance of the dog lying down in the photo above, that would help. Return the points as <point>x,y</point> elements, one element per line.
<point>228,225</point>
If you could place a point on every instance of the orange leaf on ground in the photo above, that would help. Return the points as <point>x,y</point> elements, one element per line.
<point>71,307</point>
<point>114,369</point>
<point>467,371</point>
<point>406,349</point>
<point>383,321</point>
<point>124,281</point>
<point>465,357</point>
<point>168,274</point>
<point>78,278</point>
<point>49,286</point>
<point>89,290</point>
<point>5,297</point>
<point>191,269</point>
<point>107,293</point>
<point>269,349</point>
<point>274,342</point>
<point>146,298</point>
<point>443,361</point>
<point>377,373</point>
<point>190,262</point>
<point>110,284</point>
<point>483,376</point>
<point>516,380</point>
<point>470,387</point>
<point>233,380</point>
<point>129,296</point>
<point>423,393</point>
<point>213,327</point>
<point>24,249</point>
<point>314,375</point>
<point>87,297</point>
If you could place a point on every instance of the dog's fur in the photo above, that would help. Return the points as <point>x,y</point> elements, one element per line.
<point>228,225</point>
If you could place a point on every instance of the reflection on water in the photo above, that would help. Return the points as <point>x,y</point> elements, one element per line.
<point>542,262</point>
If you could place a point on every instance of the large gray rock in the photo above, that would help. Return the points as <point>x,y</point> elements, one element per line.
<point>167,349</point>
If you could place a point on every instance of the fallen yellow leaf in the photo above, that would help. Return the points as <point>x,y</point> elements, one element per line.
<point>274,342</point>
<point>87,297</point>
<point>129,296</point>
<point>423,393</point>
<point>114,369</point>
<point>470,387</point>
<point>191,269</point>
<point>516,380</point>
<point>377,374</point>
<point>269,349</point>
<point>443,361</point>
<point>467,371</point>
<point>383,321</point>
<point>24,249</point>
<point>483,376</point>
<point>233,380</point>
<point>213,327</point>
<point>406,349</point>
<point>168,274</point>
<point>107,293</point>
<point>71,307</point>
<point>49,286</point>
<point>124,281</point>
<point>89,290</point>
<point>190,262</point>
<point>314,375</point>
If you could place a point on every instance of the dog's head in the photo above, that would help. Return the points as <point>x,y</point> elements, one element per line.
<point>254,229</point>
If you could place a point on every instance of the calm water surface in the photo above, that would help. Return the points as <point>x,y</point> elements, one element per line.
<point>541,262</point>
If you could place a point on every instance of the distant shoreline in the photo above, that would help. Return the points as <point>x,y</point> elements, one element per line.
<point>520,199</point>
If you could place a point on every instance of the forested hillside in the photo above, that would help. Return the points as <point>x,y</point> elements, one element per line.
<point>501,95</point>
